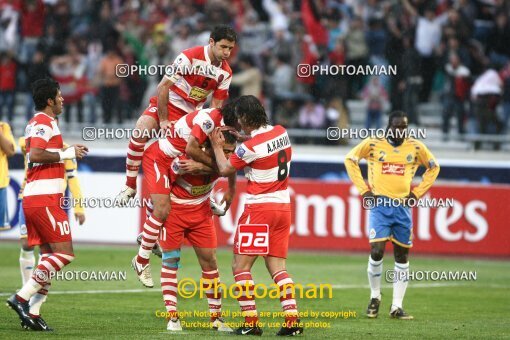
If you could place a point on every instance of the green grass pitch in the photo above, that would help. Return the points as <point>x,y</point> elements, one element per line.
<point>126,310</point>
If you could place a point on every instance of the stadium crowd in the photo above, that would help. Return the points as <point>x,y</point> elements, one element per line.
<point>455,52</point>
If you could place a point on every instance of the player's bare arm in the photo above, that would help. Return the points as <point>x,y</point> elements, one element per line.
<point>225,169</point>
<point>163,88</point>
<point>217,103</point>
<point>196,168</point>
<point>6,145</point>
<point>194,151</point>
<point>38,155</point>
<point>239,137</point>
<point>229,195</point>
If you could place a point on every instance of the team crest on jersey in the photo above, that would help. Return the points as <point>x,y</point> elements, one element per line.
<point>409,158</point>
<point>175,166</point>
<point>372,233</point>
<point>240,152</point>
<point>207,125</point>
<point>40,132</point>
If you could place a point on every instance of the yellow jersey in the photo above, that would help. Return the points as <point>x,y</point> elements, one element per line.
<point>391,169</point>
<point>4,163</point>
<point>71,177</point>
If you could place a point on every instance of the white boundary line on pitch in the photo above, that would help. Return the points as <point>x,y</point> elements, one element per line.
<point>351,286</point>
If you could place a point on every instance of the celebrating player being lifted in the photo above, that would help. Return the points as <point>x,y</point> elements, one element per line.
<point>199,71</point>
<point>47,223</point>
<point>266,159</point>
<point>392,163</point>
<point>191,217</point>
<point>157,163</point>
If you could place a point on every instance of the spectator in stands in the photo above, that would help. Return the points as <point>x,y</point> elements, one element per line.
<point>280,46</point>
<point>393,54</point>
<point>312,115</point>
<point>411,80</point>
<point>50,43</point>
<point>486,93</point>
<point>9,19</point>
<point>428,36</point>
<point>7,84</point>
<point>159,52</point>
<point>105,29</point>
<point>336,86</point>
<point>69,71</point>
<point>456,27</point>
<point>505,76</point>
<point>32,26</point>
<point>357,54</point>
<point>253,37</point>
<point>499,41</point>
<point>37,69</point>
<point>248,77</point>
<point>183,39</point>
<point>285,113</point>
<point>93,58</point>
<point>306,52</point>
<point>456,94</point>
<point>376,99</point>
<point>336,28</point>
<point>110,85</point>
<point>282,80</point>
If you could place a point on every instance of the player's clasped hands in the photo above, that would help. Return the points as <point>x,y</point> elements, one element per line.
<point>80,151</point>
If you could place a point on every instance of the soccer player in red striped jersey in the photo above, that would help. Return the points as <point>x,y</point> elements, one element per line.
<point>191,217</point>
<point>199,72</point>
<point>46,221</point>
<point>265,159</point>
<point>188,133</point>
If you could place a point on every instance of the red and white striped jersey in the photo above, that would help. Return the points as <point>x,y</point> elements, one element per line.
<point>191,189</point>
<point>45,181</point>
<point>266,161</point>
<point>197,78</point>
<point>198,124</point>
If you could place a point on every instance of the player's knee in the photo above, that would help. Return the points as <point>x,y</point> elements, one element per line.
<point>161,209</point>
<point>146,123</point>
<point>25,246</point>
<point>376,253</point>
<point>171,259</point>
<point>401,257</point>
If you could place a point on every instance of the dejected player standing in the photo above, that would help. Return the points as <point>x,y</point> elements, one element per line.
<point>201,70</point>
<point>266,159</point>
<point>47,223</point>
<point>392,164</point>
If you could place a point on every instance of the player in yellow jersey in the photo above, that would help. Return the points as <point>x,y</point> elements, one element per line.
<point>392,164</point>
<point>27,258</point>
<point>7,149</point>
